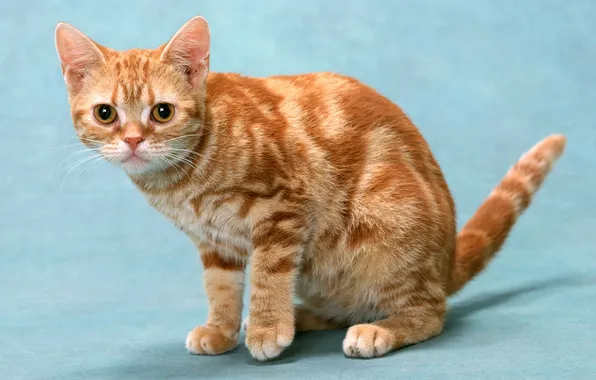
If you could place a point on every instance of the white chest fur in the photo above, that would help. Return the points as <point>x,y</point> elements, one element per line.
<point>206,220</point>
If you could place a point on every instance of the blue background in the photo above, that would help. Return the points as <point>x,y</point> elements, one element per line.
<point>94,284</point>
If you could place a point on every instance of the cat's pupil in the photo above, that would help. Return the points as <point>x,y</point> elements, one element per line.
<point>163,111</point>
<point>105,112</point>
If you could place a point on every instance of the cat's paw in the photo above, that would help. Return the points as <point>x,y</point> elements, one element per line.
<point>367,341</point>
<point>266,343</point>
<point>211,340</point>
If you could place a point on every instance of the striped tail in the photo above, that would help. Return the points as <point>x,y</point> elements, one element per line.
<point>484,234</point>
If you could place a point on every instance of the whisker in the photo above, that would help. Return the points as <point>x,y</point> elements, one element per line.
<point>185,136</point>
<point>92,163</point>
<point>99,160</point>
<point>175,161</point>
<point>196,166</point>
<point>189,152</point>
<point>70,156</point>
<point>172,157</point>
<point>79,163</point>
<point>192,152</point>
<point>179,169</point>
<point>180,157</point>
<point>91,141</point>
<point>174,164</point>
<point>183,150</point>
<point>190,135</point>
<point>180,137</point>
<point>65,146</point>
<point>188,162</point>
<point>83,160</point>
<point>161,165</point>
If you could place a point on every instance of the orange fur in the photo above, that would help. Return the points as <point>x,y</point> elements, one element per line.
<point>322,183</point>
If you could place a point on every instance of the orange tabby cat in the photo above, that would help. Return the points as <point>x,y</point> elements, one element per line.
<point>322,183</point>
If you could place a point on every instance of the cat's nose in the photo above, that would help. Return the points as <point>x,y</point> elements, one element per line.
<point>133,141</point>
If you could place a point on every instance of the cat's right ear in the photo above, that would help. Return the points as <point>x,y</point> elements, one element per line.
<point>78,55</point>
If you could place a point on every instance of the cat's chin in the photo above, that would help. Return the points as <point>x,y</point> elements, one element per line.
<point>136,165</point>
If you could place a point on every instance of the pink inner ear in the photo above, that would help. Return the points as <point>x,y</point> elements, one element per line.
<point>189,49</point>
<point>77,53</point>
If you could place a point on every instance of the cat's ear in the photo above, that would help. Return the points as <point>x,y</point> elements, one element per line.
<point>78,55</point>
<point>189,50</point>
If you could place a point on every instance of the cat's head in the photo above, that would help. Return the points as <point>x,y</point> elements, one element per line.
<point>141,109</point>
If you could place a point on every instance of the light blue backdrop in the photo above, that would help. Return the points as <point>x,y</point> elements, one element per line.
<point>94,284</point>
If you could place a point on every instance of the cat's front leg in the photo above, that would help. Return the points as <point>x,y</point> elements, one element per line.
<point>224,284</point>
<point>278,243</point>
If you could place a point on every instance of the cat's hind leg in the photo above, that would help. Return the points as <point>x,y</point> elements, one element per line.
<point>412,317</point>
<point>308,320</point>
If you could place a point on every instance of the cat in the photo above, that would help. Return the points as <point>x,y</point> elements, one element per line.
<point>325,185</point>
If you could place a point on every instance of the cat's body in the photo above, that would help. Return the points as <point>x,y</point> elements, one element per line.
<point>349,194</point>
<point>324,185</point>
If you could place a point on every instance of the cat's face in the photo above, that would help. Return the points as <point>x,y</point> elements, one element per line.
<point>141,109</point>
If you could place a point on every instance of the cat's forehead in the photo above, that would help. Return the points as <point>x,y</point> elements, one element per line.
<point>137,77</point>
<point>134,64</point>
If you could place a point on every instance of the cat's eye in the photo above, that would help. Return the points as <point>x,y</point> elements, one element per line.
<point>162,112</point>
<point>105,113</point>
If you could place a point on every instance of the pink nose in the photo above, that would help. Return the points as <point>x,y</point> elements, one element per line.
<point>133,141</point>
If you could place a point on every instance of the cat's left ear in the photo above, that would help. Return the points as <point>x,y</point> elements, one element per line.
<point>78,55</point>
<point>189,50</point>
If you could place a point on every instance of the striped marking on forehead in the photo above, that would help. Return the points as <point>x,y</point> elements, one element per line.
<point>132,79</point>
<point>129,92</point>
<point>133,63</point>
<point>142,93</point>
<point>125,93</point>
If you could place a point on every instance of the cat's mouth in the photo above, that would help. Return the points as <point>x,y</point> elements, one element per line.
<point>134,162</point>
<point>134,159</point>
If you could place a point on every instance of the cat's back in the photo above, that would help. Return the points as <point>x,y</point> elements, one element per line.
<point>323,118</point>
<point>310,90</point>
<point>327,106</point>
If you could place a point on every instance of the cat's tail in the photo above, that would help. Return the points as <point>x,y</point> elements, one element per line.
<point>484,234</point>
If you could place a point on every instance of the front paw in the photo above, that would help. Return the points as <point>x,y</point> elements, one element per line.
<point>266,343</point>
<point>211,340</point>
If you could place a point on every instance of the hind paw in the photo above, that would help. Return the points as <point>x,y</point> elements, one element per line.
<point>367,341</point>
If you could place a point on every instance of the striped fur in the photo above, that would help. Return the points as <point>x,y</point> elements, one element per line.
<point>321,183</point>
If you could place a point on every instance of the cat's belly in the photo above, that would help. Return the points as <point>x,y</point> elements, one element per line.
<point>342,304</point>
<point>339,292</point>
